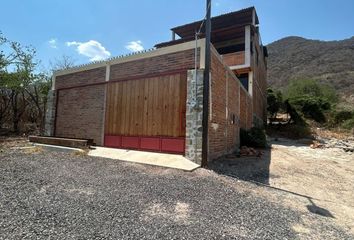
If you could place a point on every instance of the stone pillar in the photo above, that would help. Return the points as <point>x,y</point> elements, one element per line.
<point>194,114</point>
<point>50,113</point>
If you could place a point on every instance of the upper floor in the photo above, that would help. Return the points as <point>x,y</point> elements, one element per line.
<point>235,36</point>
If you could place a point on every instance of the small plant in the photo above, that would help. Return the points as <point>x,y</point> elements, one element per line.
<point>255,137</point>
<point>348,124</point>
<point>341,116</point>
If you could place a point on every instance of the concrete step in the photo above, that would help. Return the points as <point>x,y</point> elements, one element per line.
<point>66,142</point>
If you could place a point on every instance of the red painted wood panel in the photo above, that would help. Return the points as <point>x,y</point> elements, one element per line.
<point>130,142</point>
<point>150,143</point>
<point>172,145</point>
<point>113,141</point>
<point>145,143</point>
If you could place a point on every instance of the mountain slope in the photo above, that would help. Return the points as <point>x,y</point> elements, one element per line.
<point>329,62</point>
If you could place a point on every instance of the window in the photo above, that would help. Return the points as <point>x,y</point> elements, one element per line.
<point>244,80</point>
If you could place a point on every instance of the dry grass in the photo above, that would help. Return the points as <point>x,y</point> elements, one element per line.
<point>33,150</point>
<point>80,153</point>
<point>333,133</point>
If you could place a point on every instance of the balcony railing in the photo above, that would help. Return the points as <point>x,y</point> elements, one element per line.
<point>233,59</point>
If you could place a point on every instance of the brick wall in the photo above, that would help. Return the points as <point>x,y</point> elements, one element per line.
<point>224,118</point>
<point>259,86</point>
<point>246,112</point>
<point>158,64</point>
<point>80,113</point>
<point>81,78</point>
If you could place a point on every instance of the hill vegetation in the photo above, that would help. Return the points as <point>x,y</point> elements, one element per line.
<point>328,62</point>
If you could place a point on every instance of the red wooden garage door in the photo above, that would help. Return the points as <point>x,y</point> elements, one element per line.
<point>147,113</point>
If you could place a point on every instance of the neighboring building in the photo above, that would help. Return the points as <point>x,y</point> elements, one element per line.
<point>152,100</point>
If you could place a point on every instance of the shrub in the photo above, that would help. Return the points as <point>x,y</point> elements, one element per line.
<point>342,116</point>
<point>311,98</point>
<point>311,88</point>
<point>348,124</point>
<point>254,137</point>
<point>312,107</point>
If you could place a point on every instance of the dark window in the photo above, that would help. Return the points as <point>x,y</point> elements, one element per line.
<point>244,80</point>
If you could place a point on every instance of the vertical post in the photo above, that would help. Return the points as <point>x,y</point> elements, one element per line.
<point>173,36</point>
<point>206,85</point>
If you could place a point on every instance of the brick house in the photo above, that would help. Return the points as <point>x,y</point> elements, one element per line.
<point>152,100</point>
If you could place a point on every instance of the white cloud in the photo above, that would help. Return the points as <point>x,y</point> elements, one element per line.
<point>135,46</point>
<point>53,43</point>
<point>92,49</point>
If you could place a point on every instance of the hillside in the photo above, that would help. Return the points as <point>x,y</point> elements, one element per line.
<point>330,62</point>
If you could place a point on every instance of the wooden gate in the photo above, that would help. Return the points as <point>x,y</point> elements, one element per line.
<point>147,113</point>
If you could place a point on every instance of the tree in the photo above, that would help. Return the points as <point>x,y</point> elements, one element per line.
<point>16,76</point>
<point>274,101</point>
<point>23,88</point>
<point>4,106</point>
<point>311,98</point>
<point>64,62</point>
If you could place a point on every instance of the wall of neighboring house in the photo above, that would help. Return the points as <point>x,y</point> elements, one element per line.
<point>225,108</point>
<point>259,86</point>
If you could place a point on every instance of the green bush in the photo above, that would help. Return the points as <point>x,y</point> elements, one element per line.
<point>348,124</point>
<point>310,88</point>
<point>342,116</point>
<point>255,137</point>
<point>311,107</point>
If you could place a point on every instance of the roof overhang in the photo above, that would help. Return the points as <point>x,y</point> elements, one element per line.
<point>242,17</point>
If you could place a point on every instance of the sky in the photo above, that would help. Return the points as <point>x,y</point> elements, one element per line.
<point>90,30</point>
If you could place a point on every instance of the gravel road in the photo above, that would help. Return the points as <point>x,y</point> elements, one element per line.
<point>65,196</point>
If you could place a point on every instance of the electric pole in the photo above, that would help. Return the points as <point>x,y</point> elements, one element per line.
<point>206,90</point>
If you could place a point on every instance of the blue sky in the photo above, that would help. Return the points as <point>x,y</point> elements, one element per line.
<point>91,30</point>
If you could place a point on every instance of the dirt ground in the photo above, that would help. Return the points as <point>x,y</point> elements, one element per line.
<point>320,181</point>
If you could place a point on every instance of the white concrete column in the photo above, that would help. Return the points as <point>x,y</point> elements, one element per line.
<point>107,77</point>
<point>250,83</point>
<point>248,45</point>
<point>254,17</point>
<point>53,82</point>
<point>108,72</point>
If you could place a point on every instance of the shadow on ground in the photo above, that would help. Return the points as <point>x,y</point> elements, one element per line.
<point>248,168</point>
<point>257,170</point>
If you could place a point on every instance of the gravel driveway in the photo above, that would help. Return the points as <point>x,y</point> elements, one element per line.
<point>63,196</point>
